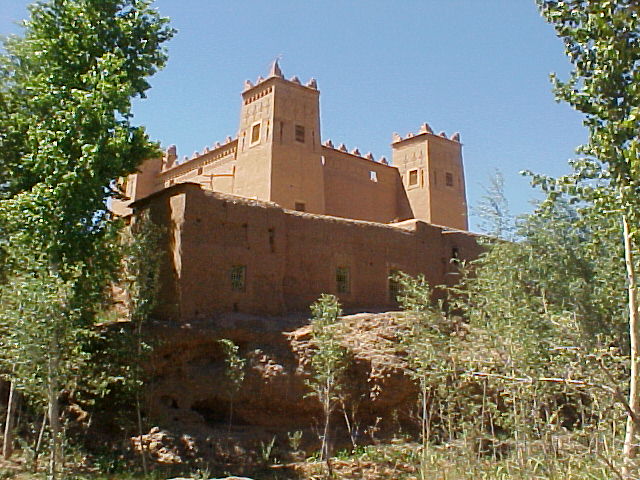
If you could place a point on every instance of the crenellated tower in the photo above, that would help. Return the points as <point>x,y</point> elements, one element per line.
<point>432,173</point>
<point>279,157</point>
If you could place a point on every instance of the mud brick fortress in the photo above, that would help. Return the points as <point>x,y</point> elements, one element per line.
<point>266,222</point>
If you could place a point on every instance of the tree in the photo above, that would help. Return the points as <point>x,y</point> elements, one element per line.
<point>540,318</point>
<point>427,340</point>
<point>602,40</point>
<point>235,371</point>
<point>141,264</point>
<point>329,361</point>
<point>493,210</point>
<point>42,340</point>
<point>66,135</point>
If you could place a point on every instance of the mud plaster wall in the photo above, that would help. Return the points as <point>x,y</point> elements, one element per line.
<point>359,188</point>
<point>290,257</point>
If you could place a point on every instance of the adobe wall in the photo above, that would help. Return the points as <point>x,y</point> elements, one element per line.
<point>436,193</point>
<point>296,170</point>
<point>290,257</point>
<point>350,191</point>
<point>213,169</point>
<point>411,154</point>
<point>445,156</point>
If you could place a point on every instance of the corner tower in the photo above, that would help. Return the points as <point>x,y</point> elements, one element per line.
<point>433,176</point>
<point>279,157</point>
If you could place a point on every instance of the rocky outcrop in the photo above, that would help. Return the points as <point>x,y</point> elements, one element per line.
<point>191,392</point>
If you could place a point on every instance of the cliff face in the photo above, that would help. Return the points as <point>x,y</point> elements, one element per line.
<point>190,390</point>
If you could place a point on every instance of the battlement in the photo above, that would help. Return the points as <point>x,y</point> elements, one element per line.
<point>425,129</point>
<point>251,93</point>
<point>278,155</point>
<point>207,157</point>
<point>354,152</point>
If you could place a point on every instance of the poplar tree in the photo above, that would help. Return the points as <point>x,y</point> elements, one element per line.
<point>66,135</point>
<point>602,41</point>
<point>329,362</point>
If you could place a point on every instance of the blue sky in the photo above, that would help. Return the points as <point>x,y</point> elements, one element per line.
<point>480,67</point>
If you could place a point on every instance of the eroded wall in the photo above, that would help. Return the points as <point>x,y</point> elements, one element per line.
<point>290,258</point>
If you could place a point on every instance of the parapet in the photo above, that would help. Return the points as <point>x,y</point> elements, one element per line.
<point>355,152</point>
<point>275,72</point>
<point>425,129</point>
<point>209,155</point>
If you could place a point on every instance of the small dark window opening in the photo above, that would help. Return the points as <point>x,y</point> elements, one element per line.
<point>455,253</point>
<point>299,133</point>
<point>343,280</point>
<point>281,130</point>
<point>300,207</point>
<point>449,179</point>
<point>255,133</point>
<point>272,240</point>
<point>238,277</point>
<point>413,177</point>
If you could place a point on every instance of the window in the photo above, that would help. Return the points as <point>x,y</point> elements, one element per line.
<point>255,133</point>
<point>342,280</point>
<point>373,176</point>
<point>300,207</point>
<point>448,179</point>
<point>455,253</point>
<point>238,276</point>
<point>413,177</point>
<point>299,133</point>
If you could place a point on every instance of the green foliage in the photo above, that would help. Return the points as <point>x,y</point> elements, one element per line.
<point>329,360</point>
<point>267,450</point>
<point>40,325</point>
<point>602,40</point>
<point>66,135</point>
<point>564,275</point>
<point>76,71</point>
<point>493,210</point>
<point>329,356</point>
<point>427,337</point>
<point>142,259</point>
<point>536,312</point>
<point>295,439</point>
<point>235,365</point>
<point>551,305</point>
